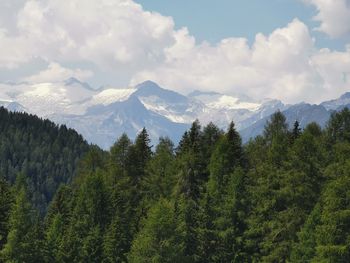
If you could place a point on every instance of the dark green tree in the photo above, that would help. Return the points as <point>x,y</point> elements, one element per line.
<point>338,127</point>
<point>6,201</point>
<point>161,171</point>
<point>160,239</point>
<point>276,136</point>
<point>333,231</point>
<point>24,240</point>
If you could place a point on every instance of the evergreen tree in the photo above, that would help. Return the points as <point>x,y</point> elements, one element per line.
<point>338,127</point>
<point>47,154</point>
<point>283,194</point>
<point>296,132</point>
<point>161,170</point>
<point>118,237</point>
<point>159,240</point>
<point>333,231</point>
<point>6,200</point>
<point>83,241</point>
<point>119,154</point>
<point>305,247</point>
<point>275,134</point>
<point>282,197</point>
<point>24,237</point>
<point>210,136</point>
<point>57,221</point>
<point>141,154</point>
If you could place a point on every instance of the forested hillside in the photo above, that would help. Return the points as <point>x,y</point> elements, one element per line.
<point>282,197</point>
<point>39,152</point>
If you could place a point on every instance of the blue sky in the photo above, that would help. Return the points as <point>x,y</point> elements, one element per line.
<point>212,21</point>
<point>293,50</point>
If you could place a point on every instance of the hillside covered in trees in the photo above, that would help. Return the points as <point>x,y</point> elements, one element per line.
<point>39,152</point>
<point>282,197</point>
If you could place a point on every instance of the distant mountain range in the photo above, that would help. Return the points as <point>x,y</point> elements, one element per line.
<point>102,115</point>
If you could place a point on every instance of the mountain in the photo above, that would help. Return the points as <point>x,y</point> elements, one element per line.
<point>172,105</point>
<point>12,106</point>
<point>304,113</point>
<point>103,124</point>
<point>102,115</point>
<point>335,104</point>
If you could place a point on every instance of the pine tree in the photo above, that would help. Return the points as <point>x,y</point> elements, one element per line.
<point>305,248</point>
<point>275,134</point>
<point>192,174</point>
<point>338,127</point>
<point>159,240</point>
<point>56,223</point>
<point>210,136</point>
<point>143,149</point>
<point>6,200</point>
<point>47,154</point>
<point>282,196</point>
<point>295,132</point>
<point>23,240</point>
<point>118,237</point>
<point>333,231</point>
<point>160,172</point>
<point>119,154</point>
<point>90,217</point>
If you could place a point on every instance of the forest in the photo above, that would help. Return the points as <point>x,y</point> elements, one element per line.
<point>282,197</point>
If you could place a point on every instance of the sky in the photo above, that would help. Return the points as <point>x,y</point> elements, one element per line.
<point>293,50</point>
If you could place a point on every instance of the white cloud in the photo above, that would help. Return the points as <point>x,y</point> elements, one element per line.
<point>118,36</point>
<point>109,33</point>
<point>284,65</point>
<point>55,72</point>
<point>333,15</point>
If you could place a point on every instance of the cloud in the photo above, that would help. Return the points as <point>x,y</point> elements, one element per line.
<point>333,15</point>
<point>109,33</point>
<point>55,72</point>
<point>284,65</point>
<point>118,37</point>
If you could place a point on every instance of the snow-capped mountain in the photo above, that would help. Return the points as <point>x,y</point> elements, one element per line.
<point>102,115</point>
<point>335,104</point>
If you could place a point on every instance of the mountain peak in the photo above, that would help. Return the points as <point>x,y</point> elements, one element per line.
<point>150,88</point>
<point>74,81</point>
<point>346,95</point>
<point>147,84</point>
<point>336,103</point>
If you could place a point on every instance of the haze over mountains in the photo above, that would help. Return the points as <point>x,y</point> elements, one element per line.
<point>102,115</point>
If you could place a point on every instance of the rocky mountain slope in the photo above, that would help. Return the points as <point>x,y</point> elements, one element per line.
<point>102,115</point>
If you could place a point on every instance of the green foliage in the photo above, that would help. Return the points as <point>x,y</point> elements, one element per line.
<point>333,230</point>
<point>160,177</point>
<point>24,240</point>
<point>338,128</point>
<point>6,200</point>
<point>45,153</point>
<point>160,239</point>
<point>282,197</point>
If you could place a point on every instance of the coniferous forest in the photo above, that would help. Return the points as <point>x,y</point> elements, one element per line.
<point>282,197</point>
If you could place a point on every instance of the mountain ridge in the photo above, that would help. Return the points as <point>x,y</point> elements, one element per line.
<point>113,111</point>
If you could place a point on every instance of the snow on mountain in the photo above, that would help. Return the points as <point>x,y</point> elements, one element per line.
<point>102,115</point>
<point>172,105</point>
<point>12,106</point>
<point>103,124</point>
<point>109,96</point>
<point>334,104</point>
<point>45,99</point>
<point>218,101</point>
<point>267,107</point>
